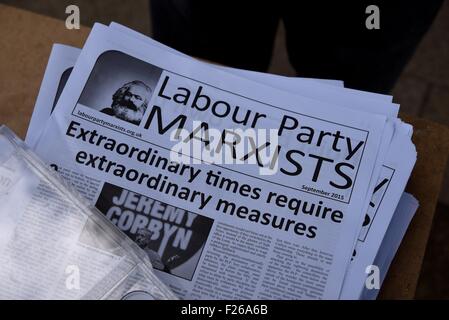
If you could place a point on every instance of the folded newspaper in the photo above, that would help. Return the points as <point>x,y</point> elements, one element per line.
<point>236,184</point>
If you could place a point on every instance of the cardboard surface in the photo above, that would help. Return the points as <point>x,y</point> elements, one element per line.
<point>26,40</point>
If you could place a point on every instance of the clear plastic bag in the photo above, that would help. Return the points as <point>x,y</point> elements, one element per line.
<point>55,245</point>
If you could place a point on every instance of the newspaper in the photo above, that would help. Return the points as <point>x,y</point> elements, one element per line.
<point>208,227</point>
<point>394,174</point>
<point>373,230</point>
<point>390,244</point>
<point>60,64</point>
<point>359,100</point>
<point>54,246</point>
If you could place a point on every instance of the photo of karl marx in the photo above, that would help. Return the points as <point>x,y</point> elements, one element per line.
<point>130,102</point>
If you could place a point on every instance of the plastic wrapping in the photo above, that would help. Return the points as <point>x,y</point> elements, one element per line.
<point>55,245</point>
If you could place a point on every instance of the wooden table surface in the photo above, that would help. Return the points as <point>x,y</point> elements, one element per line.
<point>26,41</point>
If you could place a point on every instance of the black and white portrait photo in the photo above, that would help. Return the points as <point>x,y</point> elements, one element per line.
<point>120,86</point>
<point>130,102</point>
<point>172,238</point>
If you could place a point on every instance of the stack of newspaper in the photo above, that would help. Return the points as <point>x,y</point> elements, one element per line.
<point>236,184</point>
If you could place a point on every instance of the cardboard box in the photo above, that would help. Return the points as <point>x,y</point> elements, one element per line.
<point>27,39</point>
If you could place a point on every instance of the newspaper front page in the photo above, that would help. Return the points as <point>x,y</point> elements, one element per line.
<point>274,221</point>
<point>400,156</point>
